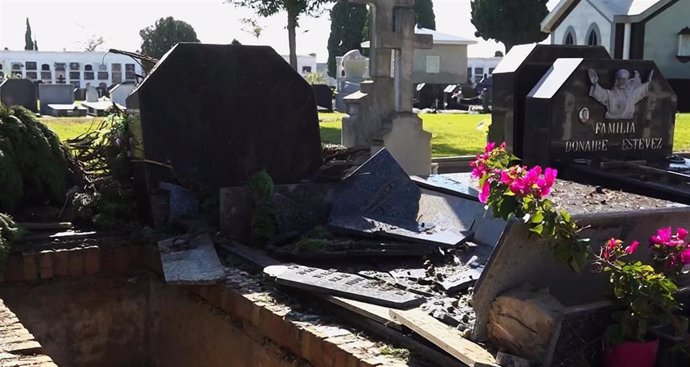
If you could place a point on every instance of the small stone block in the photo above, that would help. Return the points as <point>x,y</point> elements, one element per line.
<point>30,266</point>
<point>45,264</point>
<point>76,262</point>
<point>93,259</point>
<point>61,262</point>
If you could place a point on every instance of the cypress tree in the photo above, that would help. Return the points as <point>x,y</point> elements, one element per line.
<point>347,22</point>
<point>28,42</point>
<point>425,14</point>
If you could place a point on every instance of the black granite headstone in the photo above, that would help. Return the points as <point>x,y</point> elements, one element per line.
<point>19,92</point>
<point>514,77</point>
<point>324,96</point>
<point>203,111</point>
<point>79,94</point>
<point>430,96</point>
<point>624,115</point>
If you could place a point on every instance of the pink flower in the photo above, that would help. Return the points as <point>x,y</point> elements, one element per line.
<point>662,236</point>
<point>682,233</point>
<point>685,256</point>
<point>517,186</point>
<point>631,249</point>
<point>550,175</point>
<point>489,146</point>
<point>503,146</point>
<point>484,194</point>
<point>610,247</point>
<point>505,178</point>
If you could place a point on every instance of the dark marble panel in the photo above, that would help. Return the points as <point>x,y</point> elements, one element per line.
<point>55,94</point>
<point>217,114</point>
<point>19,92</point>
<point>324,96</point>
<point>567,117</point>
<point>514,78</point>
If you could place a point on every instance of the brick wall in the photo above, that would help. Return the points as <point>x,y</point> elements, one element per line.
<point>106,306</point>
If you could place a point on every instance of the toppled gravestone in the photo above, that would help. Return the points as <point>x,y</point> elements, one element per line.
<point>217,114</point>
<point>379,198</point>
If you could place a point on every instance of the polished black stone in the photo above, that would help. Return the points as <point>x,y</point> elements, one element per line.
<point>379,198</point>
<point>514,78</point>
<point>346,285</point>
<point>19,92</point>
<point>379,188</point>
<point>564,124</point>
<point>324,96</point>
<point>217,114</point>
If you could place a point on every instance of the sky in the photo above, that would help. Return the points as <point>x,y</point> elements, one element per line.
<point>67,25</point>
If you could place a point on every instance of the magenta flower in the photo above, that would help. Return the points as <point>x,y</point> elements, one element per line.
<point>631,249</point>
<point>682,233</point>
<point>484,194</point>
<point>685,256</point>
<point>662,236</point>
<point>490,146</point>
<point>550,175</point>
<point>610,248</point>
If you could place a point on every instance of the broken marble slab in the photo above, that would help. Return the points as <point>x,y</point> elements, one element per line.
<point>341,284</point>
<point>380,199</point>
<point>192,260</point>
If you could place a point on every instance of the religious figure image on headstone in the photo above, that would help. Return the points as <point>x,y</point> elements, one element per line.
<point>621,99</point>
<point>583,115</point>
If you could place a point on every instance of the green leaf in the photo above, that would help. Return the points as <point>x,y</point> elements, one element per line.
<point>538,217</point>
<point>538,229</point>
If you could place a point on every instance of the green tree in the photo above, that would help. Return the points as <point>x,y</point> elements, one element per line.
<point>512,22</point>
<point>163,35</point>
<point>425,19</point>
<point>252,26</point>
<point>28,42</point>
<point>425,14</point>
<point>347,22</point>
<point>35,45</point>
<point>293,8</point>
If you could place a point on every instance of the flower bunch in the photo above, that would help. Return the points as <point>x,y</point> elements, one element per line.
<point>613,249</point>
<point>492,168</point>
<point>671,252</point>
<point>516,190</point>
<point>644,296</point>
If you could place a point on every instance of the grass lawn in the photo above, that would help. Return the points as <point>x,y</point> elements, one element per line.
<point>452,134</point>
<point>69,127</point>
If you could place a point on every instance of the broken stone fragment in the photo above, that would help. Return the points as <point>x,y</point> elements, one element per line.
<point>522,322</point>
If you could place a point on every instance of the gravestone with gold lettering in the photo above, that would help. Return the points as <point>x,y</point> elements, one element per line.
<point>599,110</point>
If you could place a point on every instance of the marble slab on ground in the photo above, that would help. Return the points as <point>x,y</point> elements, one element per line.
<point>459,184</point>
<point>379,198</point>
<point>342,284</point>
<point>190,260</point>
<point>312,199</point>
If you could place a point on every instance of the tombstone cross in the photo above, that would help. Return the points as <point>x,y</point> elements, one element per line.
<point>393,30</point>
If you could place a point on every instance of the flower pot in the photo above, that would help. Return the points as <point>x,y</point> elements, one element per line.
<point>631,354</point>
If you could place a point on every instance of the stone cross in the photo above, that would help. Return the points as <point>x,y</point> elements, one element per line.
<point>392,32</point>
